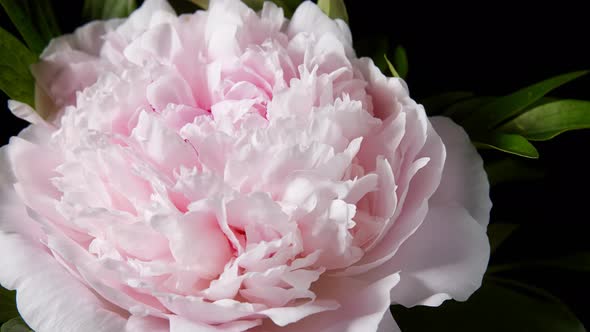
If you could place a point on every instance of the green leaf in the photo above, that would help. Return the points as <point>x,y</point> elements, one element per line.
<point>289,6</point>
<point>204,3</point>
<point>438,103</point>
<point>394,72</point>
<point>509,169</point>
<point>34,20</point>
<point>499,305</point>
<point>376,47</point>
<point>400,60</point>
<point>464,108</point>
<point>334,9</point>
<point>105,9</point>
<point>551,119</point>
<point>183,6</point>
<point>509,143</point>
<point>491,115</point>
<point>498,233</point>
<point>15,78</point>
<point>254,4</point>
<point>8,308</point>
<point>15,325</point>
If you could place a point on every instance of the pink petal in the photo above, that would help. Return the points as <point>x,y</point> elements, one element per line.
<point>47,292</point>
<point>362,306</point>
<point>142,18</point>
<point>464,180</point>
<point>179,324</point>
<point>25,112</point>
<point>147,323</point>
<point>309,18</point>
<point>445,258</point>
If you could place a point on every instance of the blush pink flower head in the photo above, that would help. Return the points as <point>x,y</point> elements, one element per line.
<point>228,171</point>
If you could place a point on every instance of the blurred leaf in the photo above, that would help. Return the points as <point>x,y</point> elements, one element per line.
<point>184,6</point>
<point>203,3</point>
<point>254,4</point>
<point>400,61</point>
<point>498,233</point>
<point>509,169</point>
<point>577,262</point>
<point>464,108</point>
<point>15,78</point>
<point>34,20</point>
<point>15,325</point>
<point>375,48</point>
<point>289,6</point>
<point>334,9</point>
<point>7,305</point>
<point>509,143</point>
<point>490,115</point>
<point>499,305</point>
<point>46,20</point>
<point>551,119</point>
<point>438,103</point>
<point>105,9</point>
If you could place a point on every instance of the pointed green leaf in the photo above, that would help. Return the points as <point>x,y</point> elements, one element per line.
<point>498,233</point>
<point>105,9</point>
<point>551,119</point>
<point>509,143</point>
<point>334,9</point>
<point>394,72</point>
<point>400,61</point>
<point>34,20</point>
<point>15,325</point>
<point>438,103</point>
<point>15,78</point>
<point>496,112</point>
<point>376,47</point>
<point>499,305</point>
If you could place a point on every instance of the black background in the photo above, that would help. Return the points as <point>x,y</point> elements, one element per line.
<point>493,49</point>
<point>490,49</point>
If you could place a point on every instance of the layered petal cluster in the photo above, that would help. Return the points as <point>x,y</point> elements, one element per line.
<point>232,171</point>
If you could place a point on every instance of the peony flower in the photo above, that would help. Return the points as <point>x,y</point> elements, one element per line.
<point>230,171</point>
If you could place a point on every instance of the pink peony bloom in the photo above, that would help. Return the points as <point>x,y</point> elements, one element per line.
<point>230,171</point>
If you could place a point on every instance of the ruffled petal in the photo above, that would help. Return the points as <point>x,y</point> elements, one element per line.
<point>362,306</point>
<point>309,18</point>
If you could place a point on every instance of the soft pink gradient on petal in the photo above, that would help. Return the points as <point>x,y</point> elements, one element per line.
<point>464,181</point>
<point>232,171</point>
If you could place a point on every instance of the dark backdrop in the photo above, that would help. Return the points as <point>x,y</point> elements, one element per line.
<point>490,49</point>
<point>494,49</point>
